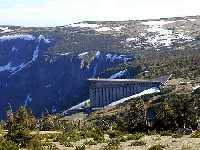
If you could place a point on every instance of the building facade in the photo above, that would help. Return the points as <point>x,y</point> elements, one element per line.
<point>105,91</point>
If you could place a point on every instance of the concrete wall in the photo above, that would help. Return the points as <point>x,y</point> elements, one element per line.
<point>105,91</point>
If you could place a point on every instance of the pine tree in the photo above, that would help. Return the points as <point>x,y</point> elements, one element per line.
<point>20,126</point>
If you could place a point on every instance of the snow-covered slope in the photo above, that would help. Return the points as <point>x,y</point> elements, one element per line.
<point>145,92</point>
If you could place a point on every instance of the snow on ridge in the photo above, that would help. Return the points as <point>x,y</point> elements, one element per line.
<point>160,23</point>
<point>84,25</point>
<point>19,36</point>
<point>145,92</point>
<point>42,37</point>
<point>192,20</point>
<point>96,27</point>
<point>5,30</point>
<point>163,36</point>
<point>118,74</point>
<point>103,29</point>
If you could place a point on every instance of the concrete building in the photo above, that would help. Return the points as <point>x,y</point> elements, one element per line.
<point>105,91</point>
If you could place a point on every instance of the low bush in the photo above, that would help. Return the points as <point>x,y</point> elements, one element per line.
<point>157,147</point>
<point>196,134</point>
<point>98,136</point>
<point>90,142</point>
<point>135,136</point>
<point>8,145</point>
<point>138,143</point>
<point>177,135</point>
<point>114,144</point>
<point>114,134</point>
<point>166,133</point>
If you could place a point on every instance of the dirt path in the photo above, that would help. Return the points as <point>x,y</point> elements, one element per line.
<point>184,143</point>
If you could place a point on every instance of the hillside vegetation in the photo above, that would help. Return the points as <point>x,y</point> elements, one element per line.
<point>124,126</point>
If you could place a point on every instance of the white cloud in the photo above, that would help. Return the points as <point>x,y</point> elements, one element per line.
<point>61,12</point>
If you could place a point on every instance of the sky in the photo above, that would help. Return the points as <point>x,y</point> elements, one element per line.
<point>63,12</point>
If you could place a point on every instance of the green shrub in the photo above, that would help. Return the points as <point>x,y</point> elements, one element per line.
<point>35,144</point>
<point>153,132</point>
<point>8,145</point>
<point>114,134</point>
<point>90,142</point>
<point>138,143</point>
<point>166,133</point>
<point>122,139</point>
<point>65,140</point>
<point>157,147</point>
<point>19,126</point>
<point>196,134</point>
<point>69,137</point>
<point>135,136</point>
<point>98,136</point>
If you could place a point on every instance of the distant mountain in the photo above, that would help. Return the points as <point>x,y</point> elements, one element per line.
<point>47,68</point>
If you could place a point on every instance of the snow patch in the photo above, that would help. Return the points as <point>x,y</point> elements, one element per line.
<point>27,100</point>
<point>14,37</point>
<point>157,23</point>
<point>84,25</point>
<point>145,92</point>
<point>42,37</point>
<point>79,106</point>
<point>118,74</point>
<point>6,67</point>
<point>163,36</point>
<point>5,30</point>
<point>136,39</point>
<point>64,54</point>
<point>118,28</point>
<point>98,54</point>
<point>82,54</point>
<point>103,29</point>
<point>53,109</point>
<point>196,87</point>
<point>14,49</point>
<point>192,20</point>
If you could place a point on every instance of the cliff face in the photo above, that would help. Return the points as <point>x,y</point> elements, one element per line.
<point>45,82</point>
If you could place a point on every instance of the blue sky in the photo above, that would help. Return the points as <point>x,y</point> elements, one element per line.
<point>62,12</point>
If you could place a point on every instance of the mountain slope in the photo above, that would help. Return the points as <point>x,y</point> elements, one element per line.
<point>47,68</point>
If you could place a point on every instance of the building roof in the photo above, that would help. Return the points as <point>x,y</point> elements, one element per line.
<point>121,80</point>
